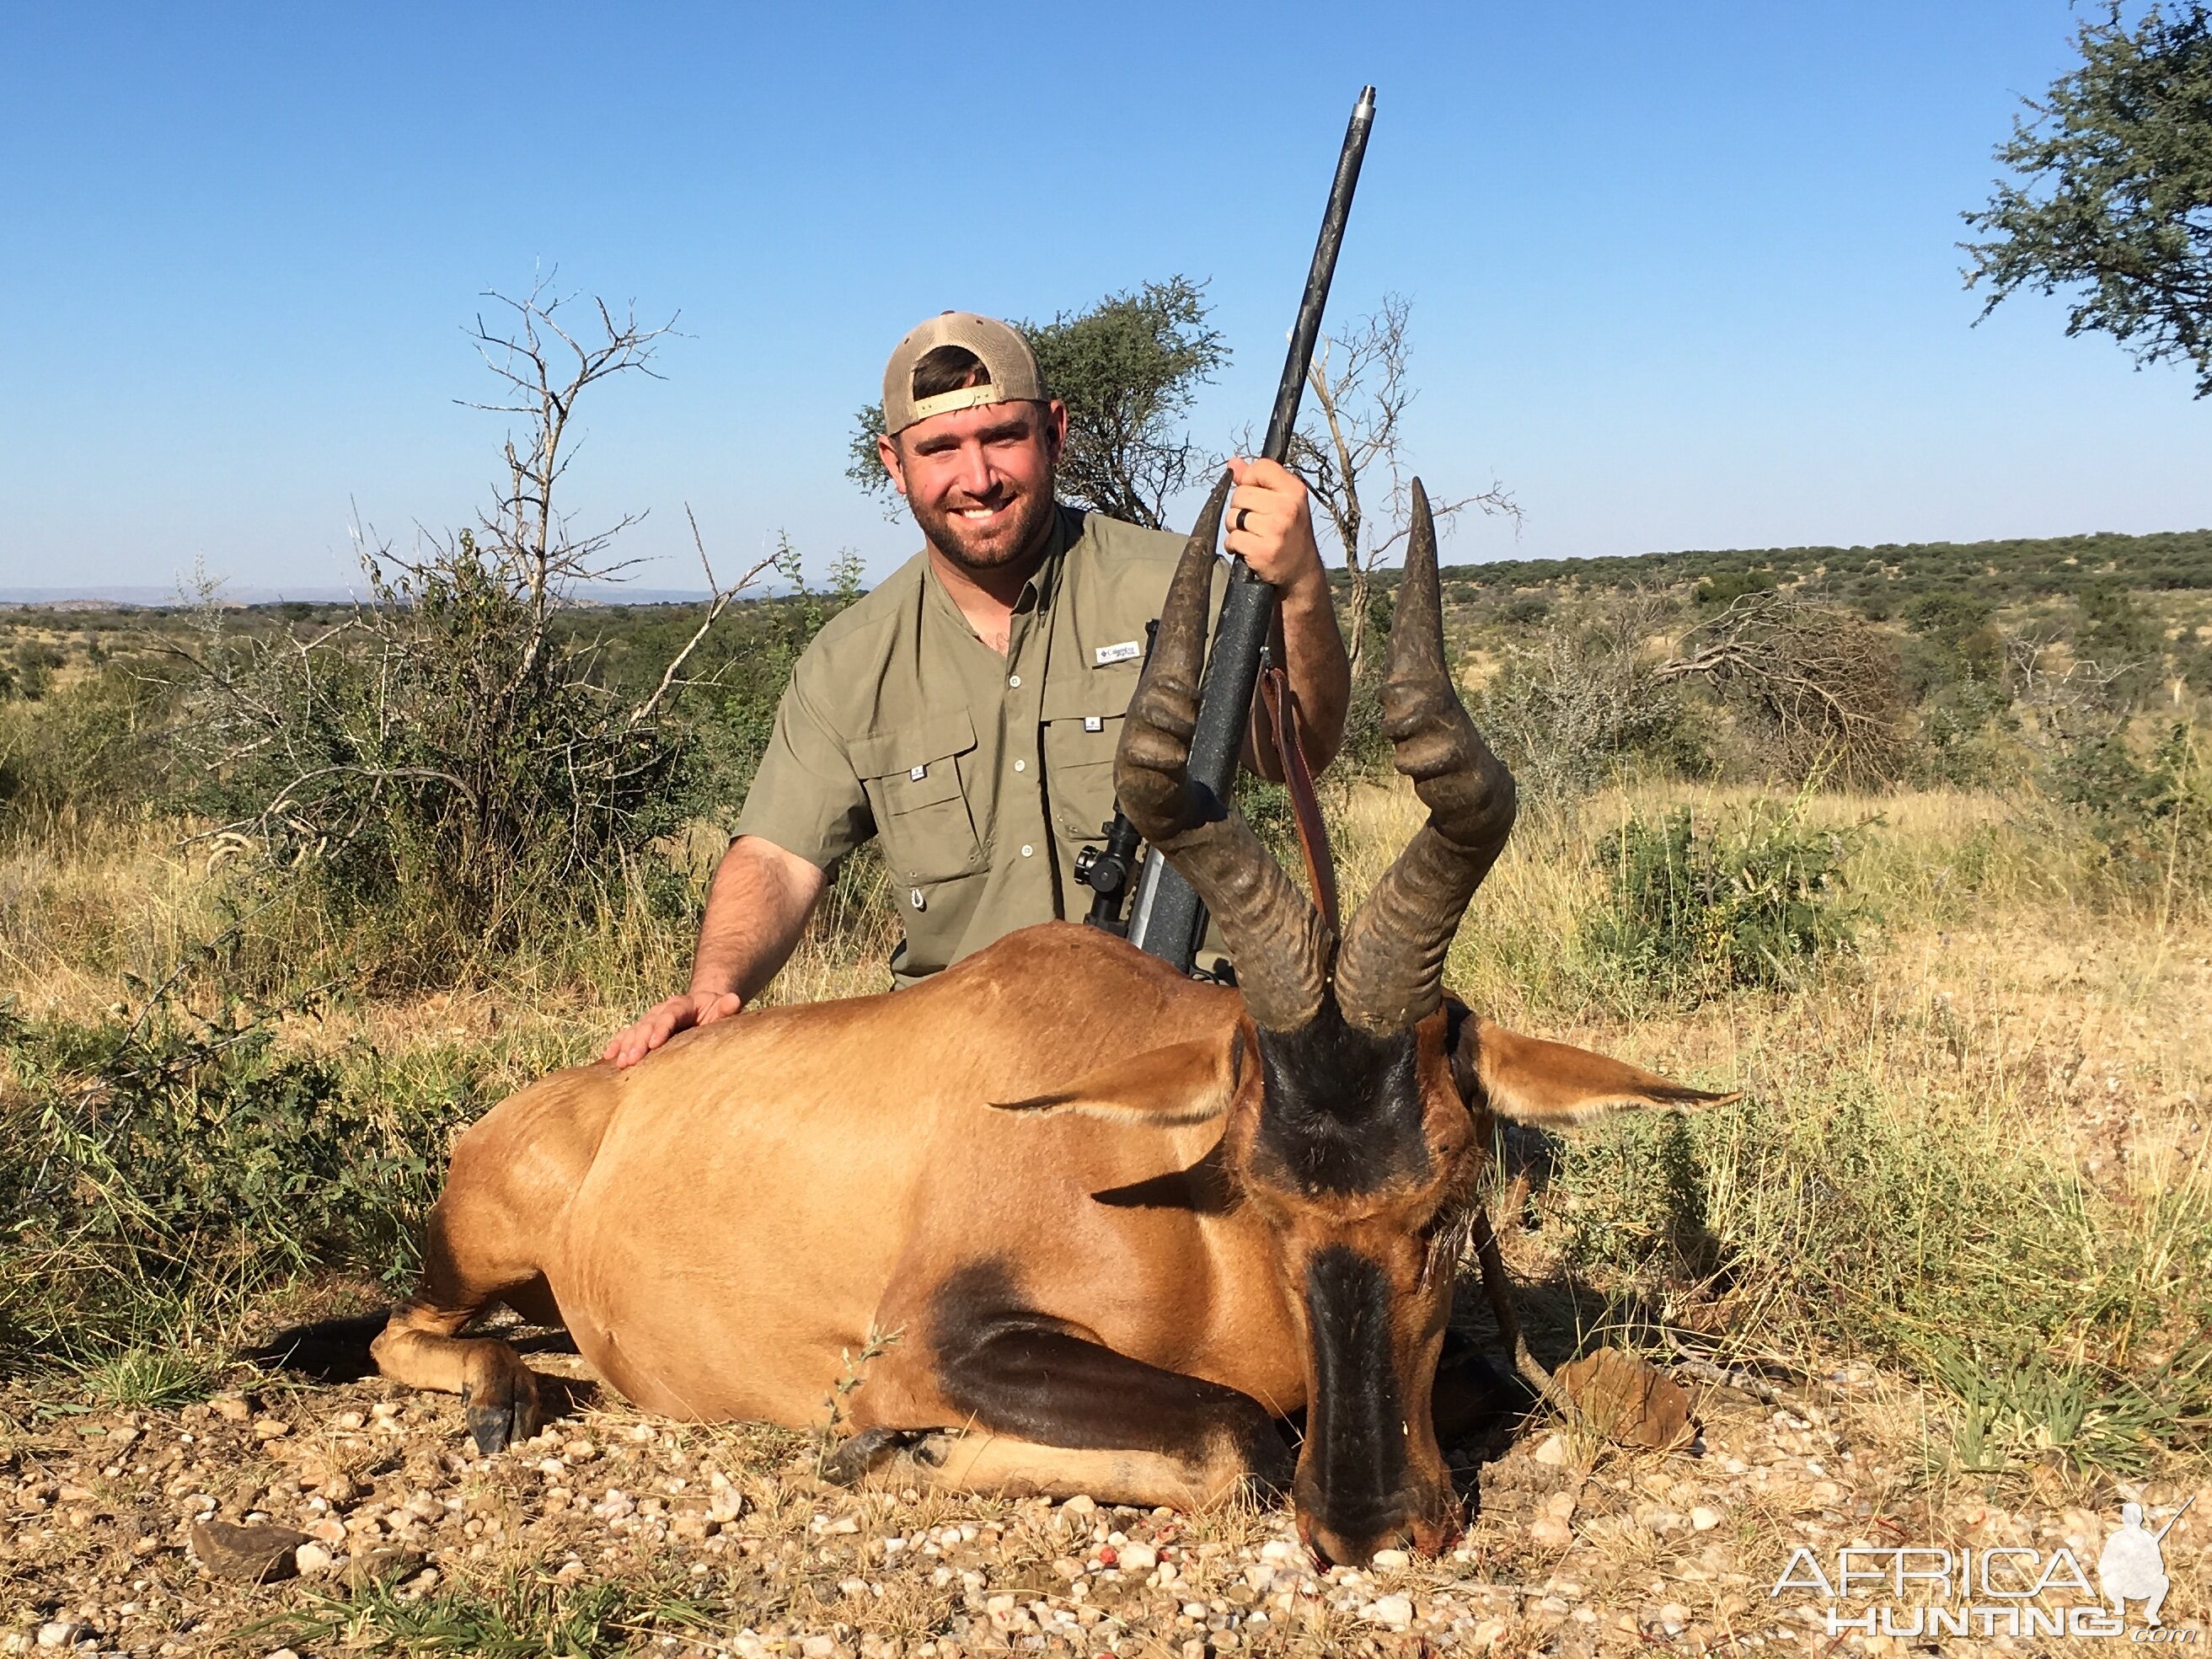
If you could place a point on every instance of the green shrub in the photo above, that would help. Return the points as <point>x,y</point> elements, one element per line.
<point>157,1174</point>
<point>86,753</point>
<point>2151,818</point>
<point>1694,910</point>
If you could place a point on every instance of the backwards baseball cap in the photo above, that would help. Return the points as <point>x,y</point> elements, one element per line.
<point>1010,370</point>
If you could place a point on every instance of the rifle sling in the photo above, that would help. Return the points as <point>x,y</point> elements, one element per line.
<point>1282,707</point>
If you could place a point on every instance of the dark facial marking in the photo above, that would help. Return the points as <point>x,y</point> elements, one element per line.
<point>1355,1434</point>
<point>1343,1110</point>
<point>1017,1371</point>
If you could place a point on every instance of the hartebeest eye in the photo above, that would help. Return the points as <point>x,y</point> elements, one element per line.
<point>1446,1235</point>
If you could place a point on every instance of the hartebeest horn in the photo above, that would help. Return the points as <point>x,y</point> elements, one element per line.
<point>1279,945</point>
<point>1390,971</point>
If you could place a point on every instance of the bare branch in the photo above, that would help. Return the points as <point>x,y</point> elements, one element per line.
<point>718,601</point>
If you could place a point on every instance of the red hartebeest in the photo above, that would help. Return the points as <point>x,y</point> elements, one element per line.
<point>1111,1226</point>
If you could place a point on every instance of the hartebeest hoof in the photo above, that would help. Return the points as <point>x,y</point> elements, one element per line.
<point>872,1449</point>
<point>503,1410</point>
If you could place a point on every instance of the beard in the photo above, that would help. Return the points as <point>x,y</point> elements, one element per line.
<point>1018,535</point>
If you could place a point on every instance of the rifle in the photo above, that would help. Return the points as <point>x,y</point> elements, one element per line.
<point>1169,920</point>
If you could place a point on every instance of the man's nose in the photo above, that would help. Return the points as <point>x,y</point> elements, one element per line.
<point>973,476</point>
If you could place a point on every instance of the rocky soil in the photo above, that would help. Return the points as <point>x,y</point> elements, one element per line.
<point>371,1525</point>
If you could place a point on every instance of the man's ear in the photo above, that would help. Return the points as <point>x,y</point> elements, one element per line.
<point>1531,1080</point>
<point>1183,1083</point>
<point>887,452</point>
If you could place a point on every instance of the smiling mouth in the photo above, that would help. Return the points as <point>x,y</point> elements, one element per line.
<point>982,514</point>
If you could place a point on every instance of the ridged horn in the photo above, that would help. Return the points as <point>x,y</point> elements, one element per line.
<point>1390,972</point>
<point>1279,945</point>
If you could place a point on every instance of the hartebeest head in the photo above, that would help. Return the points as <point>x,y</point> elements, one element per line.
<point>1356,1133</point>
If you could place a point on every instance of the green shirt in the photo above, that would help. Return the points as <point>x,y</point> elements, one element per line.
<point>982,775</point>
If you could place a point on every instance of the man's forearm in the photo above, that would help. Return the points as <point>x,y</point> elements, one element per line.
<point>756,908</point>
<point>1321,673</point>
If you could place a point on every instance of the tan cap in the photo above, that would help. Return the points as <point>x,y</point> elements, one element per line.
<point>1010,368</point>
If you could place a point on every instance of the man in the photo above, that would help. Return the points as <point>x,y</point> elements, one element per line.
<point>966,712</point>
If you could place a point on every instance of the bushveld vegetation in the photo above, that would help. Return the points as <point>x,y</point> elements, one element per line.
<point>242,1025</point>
<point>1952,944</point>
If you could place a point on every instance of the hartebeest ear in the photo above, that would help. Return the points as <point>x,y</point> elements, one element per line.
<point>1531,1080</point>
<point>1183,1083</point>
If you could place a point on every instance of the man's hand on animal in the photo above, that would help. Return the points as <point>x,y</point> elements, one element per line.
<point>665,1019</point>
<point>756,909</point>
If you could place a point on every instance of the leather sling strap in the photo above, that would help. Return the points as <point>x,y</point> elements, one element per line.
<point>1282,706</point>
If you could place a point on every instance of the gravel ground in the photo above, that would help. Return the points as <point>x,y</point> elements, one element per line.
<point>674,1540</point>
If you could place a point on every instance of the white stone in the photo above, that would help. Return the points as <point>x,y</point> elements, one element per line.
<point>819,1647</point>
<point>1703,1519</point>
<point>1391,1560</point>
<point>1549,1532</point>
<point>1552,1453</point>
<point>61,1633</point>
<point>311,1557</point>
<point>1080,1504</point>
<point>1396,1611</point>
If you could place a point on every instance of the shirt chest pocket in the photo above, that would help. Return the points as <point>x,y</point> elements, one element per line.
<point>1079,758</point>
<point>912,776</point>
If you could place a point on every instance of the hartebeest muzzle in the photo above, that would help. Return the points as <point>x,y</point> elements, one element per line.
<point>1358,1150</point>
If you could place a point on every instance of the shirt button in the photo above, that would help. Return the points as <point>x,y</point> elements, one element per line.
<point>1014,680</point>
<point>1021,766</point>
<point>1027,849</point>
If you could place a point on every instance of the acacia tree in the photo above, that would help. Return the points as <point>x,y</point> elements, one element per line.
<point>1350,450</point>
<point>1127,369</point>
<point>2112,192</point>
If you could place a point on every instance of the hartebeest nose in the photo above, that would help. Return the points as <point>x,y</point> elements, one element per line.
<point>1352,1542</point>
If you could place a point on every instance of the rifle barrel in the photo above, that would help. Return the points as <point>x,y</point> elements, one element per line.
<point>1169,921</point>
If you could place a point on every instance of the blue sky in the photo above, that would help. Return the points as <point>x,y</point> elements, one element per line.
<point>1681,275</point>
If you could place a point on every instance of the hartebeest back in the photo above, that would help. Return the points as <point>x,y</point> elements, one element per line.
<point>1110,1229</point>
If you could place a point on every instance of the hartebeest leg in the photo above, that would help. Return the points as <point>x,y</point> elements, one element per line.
<point>512,1177</point>
<point>1018,1402</point>
<point>975,1460</point>
<point>420,1347</point>
<point>1499,1290</point>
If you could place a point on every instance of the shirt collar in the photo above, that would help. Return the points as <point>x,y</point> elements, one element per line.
<point>1045,581</point>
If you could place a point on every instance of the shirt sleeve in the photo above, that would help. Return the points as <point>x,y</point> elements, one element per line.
<point>805,797</point>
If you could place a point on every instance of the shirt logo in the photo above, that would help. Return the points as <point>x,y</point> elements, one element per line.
<point>1127,651</point>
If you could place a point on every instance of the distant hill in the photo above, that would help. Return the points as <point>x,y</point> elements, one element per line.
<point>1999,572</point>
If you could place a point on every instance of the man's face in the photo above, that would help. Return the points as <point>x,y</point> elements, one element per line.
<point>980,480</point>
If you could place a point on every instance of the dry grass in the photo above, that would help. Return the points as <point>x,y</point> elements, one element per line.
<point>2009,1014</point>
